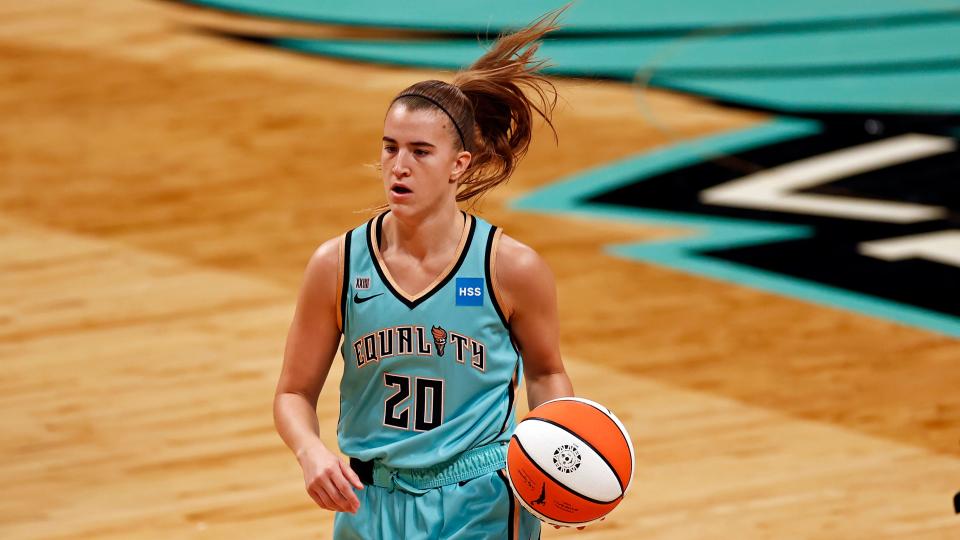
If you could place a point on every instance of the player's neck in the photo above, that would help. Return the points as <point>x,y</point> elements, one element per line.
<point>422,236</point>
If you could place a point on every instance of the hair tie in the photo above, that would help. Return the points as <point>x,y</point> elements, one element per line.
<point>463,141</point>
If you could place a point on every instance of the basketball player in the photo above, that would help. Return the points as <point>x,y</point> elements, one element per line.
<point>437,308</point>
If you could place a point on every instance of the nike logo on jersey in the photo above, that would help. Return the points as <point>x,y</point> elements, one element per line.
<point>358,300</point>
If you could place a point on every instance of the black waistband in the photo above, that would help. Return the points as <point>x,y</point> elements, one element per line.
<point>364,470</point>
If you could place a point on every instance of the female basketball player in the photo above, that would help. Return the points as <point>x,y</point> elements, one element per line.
<point>436,308</point>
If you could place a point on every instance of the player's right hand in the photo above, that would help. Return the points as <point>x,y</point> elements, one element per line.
<point>328,480</point>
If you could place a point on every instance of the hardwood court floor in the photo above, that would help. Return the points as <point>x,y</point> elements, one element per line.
<point>162,189</point>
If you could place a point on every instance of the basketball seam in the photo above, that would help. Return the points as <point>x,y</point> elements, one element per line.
<point>622,431</point>
<point>543,517</point>
<point>620,427</point>
<point>539,515</point>
<point>578,494</point>
<point>584,441</point>
<point>547,519</point>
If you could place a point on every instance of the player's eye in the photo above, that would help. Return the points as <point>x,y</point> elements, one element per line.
<point>390,149</point>
<point>421,153</point>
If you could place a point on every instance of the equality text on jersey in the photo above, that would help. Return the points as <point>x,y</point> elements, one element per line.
<point>413,340</point>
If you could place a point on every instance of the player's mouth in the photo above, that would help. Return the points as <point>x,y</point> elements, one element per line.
<point>400,191</point>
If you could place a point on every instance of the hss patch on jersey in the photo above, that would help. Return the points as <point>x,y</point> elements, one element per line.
<point>469,291</point>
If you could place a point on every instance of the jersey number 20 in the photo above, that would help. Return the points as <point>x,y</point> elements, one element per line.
<point>427,402</point>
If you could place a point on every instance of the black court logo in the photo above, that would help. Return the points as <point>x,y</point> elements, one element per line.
<point>566,458</point>
<point>872,212</point>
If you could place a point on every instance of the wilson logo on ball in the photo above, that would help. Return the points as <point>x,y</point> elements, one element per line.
<point>566,458</point>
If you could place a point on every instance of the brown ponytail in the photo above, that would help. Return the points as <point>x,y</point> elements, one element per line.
<point>491,113</point>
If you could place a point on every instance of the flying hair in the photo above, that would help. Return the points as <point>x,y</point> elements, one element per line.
<point>492,105</point>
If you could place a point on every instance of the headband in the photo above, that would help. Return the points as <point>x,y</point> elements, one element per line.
<point>463,141</point>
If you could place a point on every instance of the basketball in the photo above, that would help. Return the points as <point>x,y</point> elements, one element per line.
<point>570,462</point>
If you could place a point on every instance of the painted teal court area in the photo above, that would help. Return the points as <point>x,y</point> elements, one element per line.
<point>593,16</point>
<point>907,69</point>
<point>718,53</point>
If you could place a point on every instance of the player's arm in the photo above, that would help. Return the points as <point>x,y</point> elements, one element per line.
<point>528,297</point>
<point>310,349</point>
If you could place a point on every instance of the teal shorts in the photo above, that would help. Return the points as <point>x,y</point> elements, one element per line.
<point>470,507</point>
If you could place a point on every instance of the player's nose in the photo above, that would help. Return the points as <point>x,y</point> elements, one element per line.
<point>400,168</point>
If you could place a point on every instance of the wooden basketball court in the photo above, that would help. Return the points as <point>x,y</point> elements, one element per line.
<point>161,191</point>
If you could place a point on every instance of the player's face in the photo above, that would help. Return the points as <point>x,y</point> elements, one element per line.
<point>419,160</point>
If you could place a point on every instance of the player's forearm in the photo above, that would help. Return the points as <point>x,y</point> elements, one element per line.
<point>296,422</point>
<point>544,387</point>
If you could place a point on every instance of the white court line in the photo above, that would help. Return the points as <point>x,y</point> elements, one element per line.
<point>940,246</point>
<point>773,189</point>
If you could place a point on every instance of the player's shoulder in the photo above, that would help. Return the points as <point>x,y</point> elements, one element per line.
<point>327,254</point>
<point>514,255</point>
<point>518,265</point>
<point>324,267</point>
<point>330,254</point>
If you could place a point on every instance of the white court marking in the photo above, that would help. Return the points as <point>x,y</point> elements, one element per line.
<point>774,189</point>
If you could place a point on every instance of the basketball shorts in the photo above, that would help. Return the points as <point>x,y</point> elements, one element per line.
<point>473,507</point>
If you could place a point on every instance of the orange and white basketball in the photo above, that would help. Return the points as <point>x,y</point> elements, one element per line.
<point>570,462</point>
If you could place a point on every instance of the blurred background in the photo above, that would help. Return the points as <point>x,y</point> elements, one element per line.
<point>751,212</point>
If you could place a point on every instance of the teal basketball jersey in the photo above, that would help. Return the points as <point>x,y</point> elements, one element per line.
<point>430,376</point>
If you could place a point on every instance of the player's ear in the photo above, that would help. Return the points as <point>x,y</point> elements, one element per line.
<point>460,165</point>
